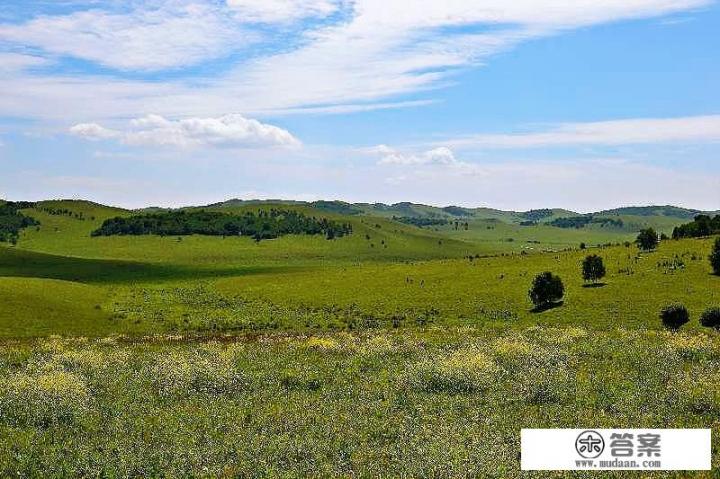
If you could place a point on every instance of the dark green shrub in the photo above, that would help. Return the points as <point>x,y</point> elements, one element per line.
<point>674,316</point>
<point>711,318</point>
<point>546,289</point>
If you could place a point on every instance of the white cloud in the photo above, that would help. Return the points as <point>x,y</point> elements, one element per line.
<point>373,51</point>
<point>12,62</point>
<point>145,39</point>
<point>271,11</point>
<point>93,131</point>
<point>558,13</point>
<point>225,131</point>
<point>436,156</point>
<point>395,47</point>
<point>613,132</point>
<point>351,108</point>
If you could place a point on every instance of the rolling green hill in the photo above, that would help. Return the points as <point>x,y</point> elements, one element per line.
<point>294,279</point>
<point>662,214</point>
<point>375,238</point>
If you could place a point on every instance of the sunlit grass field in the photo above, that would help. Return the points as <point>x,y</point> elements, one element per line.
<point>396,351</point>
<point>44,291</point>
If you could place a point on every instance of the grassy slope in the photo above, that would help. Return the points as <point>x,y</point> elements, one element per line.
<point>501,237</point>
<point>389,241</point>
<point>400,271</point>
<point>62,235</point>
<point>62,249</point>
<point>477,292</point>
<point>39,307</point>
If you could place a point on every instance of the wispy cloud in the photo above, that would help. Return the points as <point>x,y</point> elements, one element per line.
<point>341,109</point>
<point>374,52</point>
<point>273,11</point>
<point>174,35</point>
<point>602,133</point>
<point>14,62</point>
<point>225,131</point>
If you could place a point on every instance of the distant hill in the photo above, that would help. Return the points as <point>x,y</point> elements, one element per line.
<point>633,218</point>
<point>667,210</point>
<point>238,202</point>
<point>419,210</point>
<point>624,220</point>
<point>401,231</point>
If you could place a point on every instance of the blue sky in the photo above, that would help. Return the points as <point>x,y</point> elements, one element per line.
<point>533,103</point>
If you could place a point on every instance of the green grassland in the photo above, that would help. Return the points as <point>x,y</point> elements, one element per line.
<point>394,351</point>
<point>388,241</point>
<point>439,403</point>
<point>483,290</point>
<point>385,274</point>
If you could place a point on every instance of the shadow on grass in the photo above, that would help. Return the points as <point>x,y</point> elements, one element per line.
<point>29,264</point>
<point>594,285</point>
<point>546,307</point>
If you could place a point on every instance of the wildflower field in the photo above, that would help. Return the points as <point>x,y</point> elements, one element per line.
<point>396,351</point>
<point>441,402</point>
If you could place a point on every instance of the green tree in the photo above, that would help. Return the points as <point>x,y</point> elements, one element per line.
<point>546,289</point>
<point>647,239</point>
<point>715,257</point>
<point>593,268</point>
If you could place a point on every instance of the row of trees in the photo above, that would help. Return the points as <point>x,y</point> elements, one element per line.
<point>78,215</point>
<point>261,225</point>
<point>582,221</point>
<point>702,225</point>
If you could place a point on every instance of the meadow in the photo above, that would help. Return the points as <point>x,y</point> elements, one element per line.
<point>441,402</point>
<point>394,351</point>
